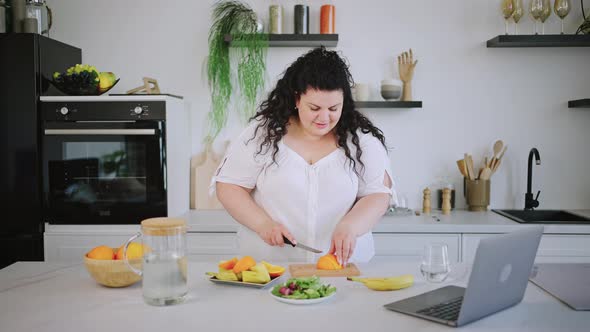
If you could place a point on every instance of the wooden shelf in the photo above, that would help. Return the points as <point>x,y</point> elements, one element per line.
<point>294,40</point>
<point>580,103</point>
<point>388,104</point>
<point>540,41</point>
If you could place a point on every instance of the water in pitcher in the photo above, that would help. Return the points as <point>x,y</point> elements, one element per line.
<point>164,279</point>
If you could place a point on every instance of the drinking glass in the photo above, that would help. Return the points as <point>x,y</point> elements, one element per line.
<point>562,8</point>
<point>435,265</point>
<point>545,13</point>
<point>517,14</point>
<point>507,10</point>
<point>535,9</point>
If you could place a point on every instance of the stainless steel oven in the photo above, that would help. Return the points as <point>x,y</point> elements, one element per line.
<point>104,162</point>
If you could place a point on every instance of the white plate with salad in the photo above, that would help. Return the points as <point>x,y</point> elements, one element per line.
<point>305,290</point>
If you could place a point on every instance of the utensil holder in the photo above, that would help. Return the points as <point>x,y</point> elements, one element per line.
<point>477,194</point>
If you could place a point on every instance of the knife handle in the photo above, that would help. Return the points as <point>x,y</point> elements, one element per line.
<point>287,241</point>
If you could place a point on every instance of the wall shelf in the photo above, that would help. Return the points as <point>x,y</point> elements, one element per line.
<point>294,40</point>
<point>539,41</point>
<point>388,104</point>
<point>579,103</point>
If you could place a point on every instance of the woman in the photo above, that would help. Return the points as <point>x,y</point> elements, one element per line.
<point>308,167</point>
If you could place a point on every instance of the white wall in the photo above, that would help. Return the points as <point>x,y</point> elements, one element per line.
<point>472,95</point>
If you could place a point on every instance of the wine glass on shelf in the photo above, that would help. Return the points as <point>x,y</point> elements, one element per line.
<point>507,10</point>
<point>545,13</point>
<point>517,14</point>
<point>535,9</point>
<point>562,8</point>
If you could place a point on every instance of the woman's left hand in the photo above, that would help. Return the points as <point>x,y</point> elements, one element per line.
<point>343,243</point>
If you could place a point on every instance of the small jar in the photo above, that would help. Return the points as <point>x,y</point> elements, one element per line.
<point>301,19</point>
<point>328,19</point>
<point>275,19</point>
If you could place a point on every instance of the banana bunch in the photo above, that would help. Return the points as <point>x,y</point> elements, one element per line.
<point>386,284</point>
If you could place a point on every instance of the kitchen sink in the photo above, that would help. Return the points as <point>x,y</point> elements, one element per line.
<point>543,216</point>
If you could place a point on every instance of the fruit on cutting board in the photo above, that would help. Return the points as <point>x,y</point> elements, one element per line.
<point>386,284</point>
<point>328,262</point>
<point>101,252</point>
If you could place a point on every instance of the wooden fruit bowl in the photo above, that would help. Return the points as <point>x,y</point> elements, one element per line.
<point>112,273</point>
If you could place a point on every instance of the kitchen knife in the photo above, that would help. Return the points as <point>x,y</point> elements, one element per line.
<point>301,246</point>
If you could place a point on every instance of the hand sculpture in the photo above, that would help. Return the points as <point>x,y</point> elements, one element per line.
<point>406,65</point>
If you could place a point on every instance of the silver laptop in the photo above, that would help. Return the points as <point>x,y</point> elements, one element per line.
<point>498,280</point>
<point>568,282</point>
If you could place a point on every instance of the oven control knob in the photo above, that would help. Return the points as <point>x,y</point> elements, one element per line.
<point>64,110</point>
<point>138,110</point>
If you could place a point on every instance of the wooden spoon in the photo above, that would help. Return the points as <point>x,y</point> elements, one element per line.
<point>462,168</point>
<point>486,174</point>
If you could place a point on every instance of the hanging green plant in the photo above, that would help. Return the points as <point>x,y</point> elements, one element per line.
<point>239,20</point>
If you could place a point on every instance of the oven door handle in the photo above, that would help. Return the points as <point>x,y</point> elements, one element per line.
<point>100,131</point>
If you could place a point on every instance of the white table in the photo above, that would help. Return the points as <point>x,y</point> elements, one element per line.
<point>38,296</point>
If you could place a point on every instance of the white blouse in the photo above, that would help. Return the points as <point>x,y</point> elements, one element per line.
<point>310,200</point>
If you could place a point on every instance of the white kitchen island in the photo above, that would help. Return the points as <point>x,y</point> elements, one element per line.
<point>53,297</point>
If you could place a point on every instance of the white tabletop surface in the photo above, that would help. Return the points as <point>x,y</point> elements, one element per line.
<point>38,296</point>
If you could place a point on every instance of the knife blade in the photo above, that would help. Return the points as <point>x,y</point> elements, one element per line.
<point>301,246</point>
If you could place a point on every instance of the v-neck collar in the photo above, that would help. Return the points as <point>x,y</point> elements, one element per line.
<point>318,162</point>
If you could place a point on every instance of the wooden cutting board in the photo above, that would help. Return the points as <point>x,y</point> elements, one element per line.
<point>308,270</point>
<point>203,167</point>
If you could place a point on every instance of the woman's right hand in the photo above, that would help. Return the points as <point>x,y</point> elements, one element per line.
<point>272,233</point>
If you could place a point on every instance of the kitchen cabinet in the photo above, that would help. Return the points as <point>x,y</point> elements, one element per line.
<point>294,40</point>
<point>554,248</point>
<point>397,247</point>
<point>72,246</point>
<point>410,247</point>
<point>539,41</point>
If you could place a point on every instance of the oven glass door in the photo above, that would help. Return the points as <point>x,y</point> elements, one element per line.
<point>108,173</point>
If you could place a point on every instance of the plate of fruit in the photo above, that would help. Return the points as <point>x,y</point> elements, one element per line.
<point>246,272</point>
<point>84,80</point>
<point>303,290</point>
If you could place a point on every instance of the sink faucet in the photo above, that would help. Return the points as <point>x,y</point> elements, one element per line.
<point>529,202</point>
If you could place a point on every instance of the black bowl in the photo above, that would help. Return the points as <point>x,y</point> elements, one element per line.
<point>82,90</point>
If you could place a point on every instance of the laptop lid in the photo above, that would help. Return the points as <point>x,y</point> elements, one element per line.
<point>500,273</point>
<point>568,282</point>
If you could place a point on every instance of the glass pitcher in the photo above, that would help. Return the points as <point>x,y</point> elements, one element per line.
<point>39,10</point>
<point>164,264</point>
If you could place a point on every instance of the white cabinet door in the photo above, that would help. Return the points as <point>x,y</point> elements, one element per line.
<point>554,248</point>
<point>211,246</point>
<point>409,247</point>
<point>73,247</point>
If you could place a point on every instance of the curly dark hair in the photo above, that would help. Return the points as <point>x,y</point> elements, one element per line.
<point>322,70</point>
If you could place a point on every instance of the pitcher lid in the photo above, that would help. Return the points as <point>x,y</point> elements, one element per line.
<point>162,225</point>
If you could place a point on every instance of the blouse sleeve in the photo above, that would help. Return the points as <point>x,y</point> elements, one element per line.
<point>376,166</point>
<point>241,164</point>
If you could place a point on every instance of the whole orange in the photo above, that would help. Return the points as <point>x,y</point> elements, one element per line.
<point>135,250</point>
<point>101,252</point>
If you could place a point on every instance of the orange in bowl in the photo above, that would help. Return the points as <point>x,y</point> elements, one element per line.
<point>110,272</point>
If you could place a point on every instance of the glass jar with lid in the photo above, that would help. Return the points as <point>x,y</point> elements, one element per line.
<point>39,10</point>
